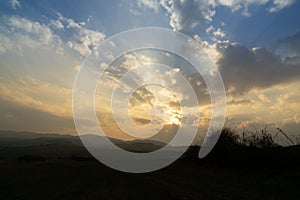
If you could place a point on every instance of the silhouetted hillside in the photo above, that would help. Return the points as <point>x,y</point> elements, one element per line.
<point>66,170</point>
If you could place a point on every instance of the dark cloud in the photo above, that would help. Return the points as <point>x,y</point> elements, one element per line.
<point>142,121</point>
<point>289,47</point>
<point>142,96</point>
<point>201,91</point>
<point>239,102</point>
<point>174,104</point>
<point>244,69</point>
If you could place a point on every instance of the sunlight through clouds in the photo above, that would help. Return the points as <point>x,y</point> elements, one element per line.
<point>41,50</point>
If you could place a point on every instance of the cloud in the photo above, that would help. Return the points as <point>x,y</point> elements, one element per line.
<point>219,33</point>
<point>24,32</point>
<point>17,33</point>
<point>57,24</point>
<point>42,100</point>
<point>244,69</point>
<point>151,100</point>
<point>35,29</point>
<point>36,94</point>
<point>142,96</point>
<point>289,47</point>
<point>254,78</point>
<point>235,5</point>
<point>239,102</point>
<point>6,44</point>
<point>19,117</point>
<point>278,104</point>
<point>280,4</point>
<point>152,4</point>
<point>287,103</point>
<point>82,40</point>
<point>142,121</point>
<point>185,15</point>
<point>15,4</point>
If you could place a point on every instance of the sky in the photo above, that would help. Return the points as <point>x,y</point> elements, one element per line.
<point>254,43</point>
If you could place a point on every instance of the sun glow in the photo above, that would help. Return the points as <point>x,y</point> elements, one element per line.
<point>173,117</point>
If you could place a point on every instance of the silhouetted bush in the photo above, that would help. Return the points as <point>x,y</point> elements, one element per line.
<point>229,138</point>
<point>259,139</point>
<point>263,138</point>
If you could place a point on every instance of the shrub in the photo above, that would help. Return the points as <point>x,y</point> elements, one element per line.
<point>229,138</point>
<point>259,138</point>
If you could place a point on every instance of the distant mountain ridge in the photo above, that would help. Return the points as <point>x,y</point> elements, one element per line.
<point>31,135</point>
<point>26,138</point>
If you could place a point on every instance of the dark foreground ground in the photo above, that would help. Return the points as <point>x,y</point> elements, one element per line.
<point>68,172</point>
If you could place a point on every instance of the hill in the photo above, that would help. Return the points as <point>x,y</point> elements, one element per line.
<point>62,169</point>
